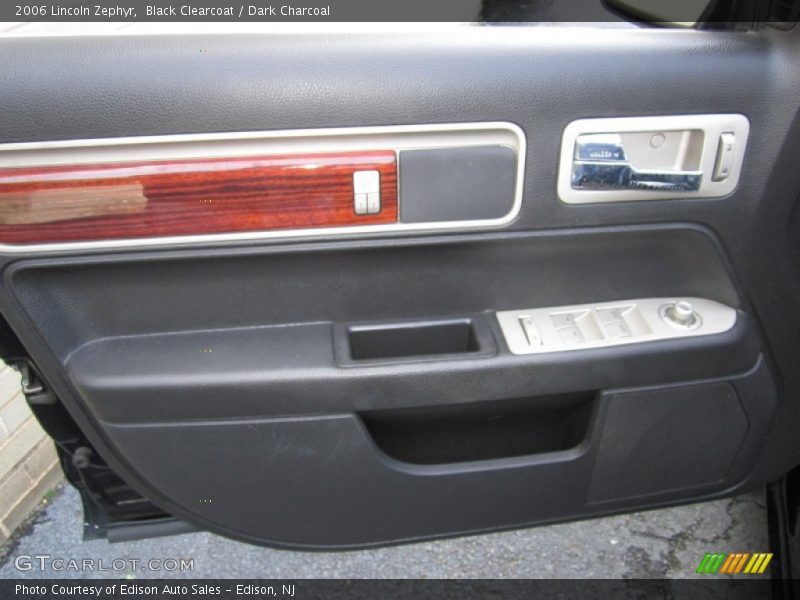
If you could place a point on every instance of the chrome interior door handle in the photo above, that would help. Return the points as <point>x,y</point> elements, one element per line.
<point>601,163</point>
<point>669,157</point>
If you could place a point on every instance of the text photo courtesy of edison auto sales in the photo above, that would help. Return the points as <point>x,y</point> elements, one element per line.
<point>162,589</point>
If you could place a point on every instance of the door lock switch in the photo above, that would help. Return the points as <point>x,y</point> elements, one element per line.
<point>531,333</point>
<point>367,192</point>
<point>725,152</point>
<point>360,204</point>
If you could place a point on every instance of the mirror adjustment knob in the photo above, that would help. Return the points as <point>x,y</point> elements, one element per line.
<point>681,313</point>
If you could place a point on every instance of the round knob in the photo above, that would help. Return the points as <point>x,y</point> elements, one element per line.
<point>681,312</point>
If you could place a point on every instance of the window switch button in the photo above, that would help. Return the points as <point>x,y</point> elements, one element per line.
<point>608,315</point>
<point>571,335</point>
<point>563,320</point>
<point>617,329</point>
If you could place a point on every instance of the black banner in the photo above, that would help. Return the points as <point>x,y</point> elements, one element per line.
<point>241,10</point>
<point>519,11</point>
<point>227,589</point>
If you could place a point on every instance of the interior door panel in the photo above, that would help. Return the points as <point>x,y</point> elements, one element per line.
<point>328,388</point>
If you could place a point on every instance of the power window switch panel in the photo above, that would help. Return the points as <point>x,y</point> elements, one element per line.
<point>571,335</point>
<point>608,323</point>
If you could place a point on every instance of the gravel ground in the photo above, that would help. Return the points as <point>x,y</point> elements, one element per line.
<point>653,544</point>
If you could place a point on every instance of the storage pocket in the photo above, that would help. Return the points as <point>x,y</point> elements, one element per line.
<point>482,430</point>
<point>375,342</point>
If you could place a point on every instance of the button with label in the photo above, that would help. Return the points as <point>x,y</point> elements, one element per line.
<point>617,329</point>
<point>608,315</point>
<point>367,192</point>
<point>373,203</point>
<point>360,204</point>
<point>724,164</point>
<point>366,182</point>
<point>563,320</point>
<point>571,335</point>
<point>530,331</point>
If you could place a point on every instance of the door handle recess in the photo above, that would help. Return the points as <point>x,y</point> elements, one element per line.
<point>601,163</point>
<point>651,158</point>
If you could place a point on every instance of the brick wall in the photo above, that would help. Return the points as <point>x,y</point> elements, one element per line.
<point>28,464</point>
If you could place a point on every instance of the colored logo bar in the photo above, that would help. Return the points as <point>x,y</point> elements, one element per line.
<point>735,563</point>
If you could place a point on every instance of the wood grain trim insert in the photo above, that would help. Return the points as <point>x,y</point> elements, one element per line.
<point>134,200</point>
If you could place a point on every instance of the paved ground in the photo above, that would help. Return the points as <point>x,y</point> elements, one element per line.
<point>662,543</point>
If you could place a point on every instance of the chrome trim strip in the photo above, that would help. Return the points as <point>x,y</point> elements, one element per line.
<point>297,141</point>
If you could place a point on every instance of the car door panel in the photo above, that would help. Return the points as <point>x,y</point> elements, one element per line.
<point>354,388</point>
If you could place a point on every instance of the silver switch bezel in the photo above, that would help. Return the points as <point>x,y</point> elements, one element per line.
<point>641,316</point>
